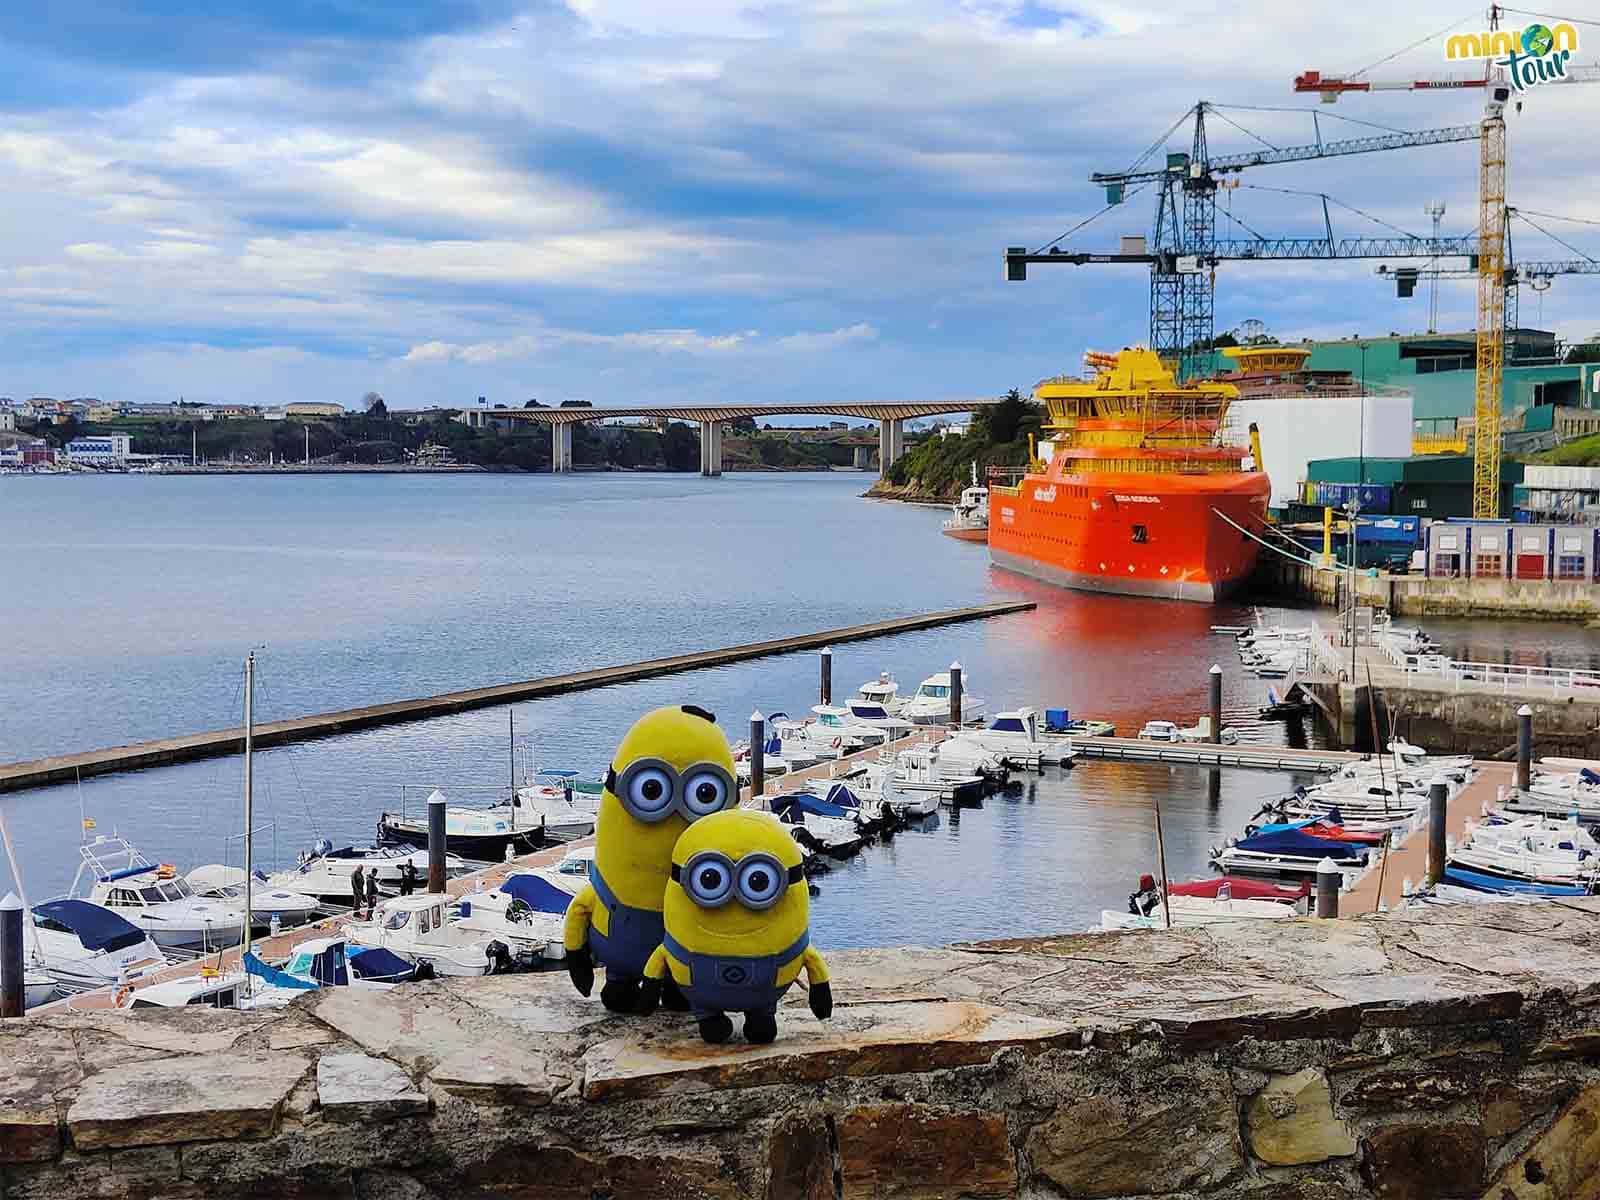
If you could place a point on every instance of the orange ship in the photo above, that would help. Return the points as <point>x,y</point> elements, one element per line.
<point>1129,498</point>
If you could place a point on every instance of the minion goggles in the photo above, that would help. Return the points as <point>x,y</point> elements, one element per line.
<point>710,879</point>
<point>652,789</point>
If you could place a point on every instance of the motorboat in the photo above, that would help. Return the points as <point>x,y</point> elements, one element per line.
<point>1200,731</point>
<point>1206,902</point>
<point>837,719</point>
<point>969,516</point>
<point>209,989</point>
<point>825,743</point>
<point>771,765</point>
<point>226,886</point>
<point>790,748</point>
<point>38,987</point>
<point>1330,828</point>
<point>1159,731</point>
<point>83,946</point>
<point>916,772</point>
<point>960,756</point>
<point>254,985</point>
<point>930,703</point>
<point>1018,739</point>
<point>324,872</point>
<point>1060,722</point>
<point>155,898</point>
<point>572,873</point>
<point>1526,856</point>
<point>818,825</point>
<point>526,911</point>
<point>418,929</point>
<point>484,834</point>
<point>874,716</point>
<point>882,692</point>
<point>549,803</point>
<point>906,803</point>
<point>333,962</point>
<point>1287,852</point>
<point>867,808</point>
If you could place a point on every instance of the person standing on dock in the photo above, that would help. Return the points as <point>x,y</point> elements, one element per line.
<point>408,877</point>
<point>358,887</point>
<point>372,891</point>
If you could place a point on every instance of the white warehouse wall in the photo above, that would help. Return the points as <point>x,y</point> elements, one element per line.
<point>1297,429</point>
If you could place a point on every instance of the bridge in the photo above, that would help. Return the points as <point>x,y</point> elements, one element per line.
<point>891,418</point>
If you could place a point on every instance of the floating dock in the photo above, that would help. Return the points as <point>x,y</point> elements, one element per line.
<point>1212,754</point>
<point>64,768</point>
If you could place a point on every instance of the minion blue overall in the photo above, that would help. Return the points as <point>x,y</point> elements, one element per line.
<point>737,912</point>
<point>674,767</point>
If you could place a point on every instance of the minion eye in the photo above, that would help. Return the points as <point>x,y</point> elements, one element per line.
<point>650,791</point>
<point>705,792</point>
<point>708,881</point>
<point>760,882</point>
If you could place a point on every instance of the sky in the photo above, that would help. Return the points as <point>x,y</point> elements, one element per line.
<point>628,201</point>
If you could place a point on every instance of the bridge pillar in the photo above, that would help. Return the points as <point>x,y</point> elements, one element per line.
<point>561,447</point>
<point>891,443</point>
<point>863,457</point>
<point>710,448</point>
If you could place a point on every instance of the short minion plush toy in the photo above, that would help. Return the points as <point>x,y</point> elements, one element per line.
<point>737,915</point>
<point>673,768</point>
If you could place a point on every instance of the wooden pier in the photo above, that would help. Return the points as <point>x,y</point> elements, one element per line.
<point>64,768</point>
<point>1240,754</point>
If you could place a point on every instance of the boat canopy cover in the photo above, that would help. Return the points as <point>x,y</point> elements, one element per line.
<point>97,928</point>
<point>1056,719</point>
<point>804,803</point>
<point>841,796</point>
<point>378,963</point>
<point>1292,841</point>
<point>538,893</point>
<point>1588,776</point>
<point>868,712</point>
<point>1239,889</point>
<point>280,979</point>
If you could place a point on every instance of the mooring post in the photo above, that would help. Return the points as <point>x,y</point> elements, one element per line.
<point>1524,748</point>
<point>825,676</point>
<point>955,695</point>
<point>12,998</point>
<point>436,842</point>
<point>758,745</point>
<point>1327,889</point>
<point>1216,703</point>
<point>1438,797</point>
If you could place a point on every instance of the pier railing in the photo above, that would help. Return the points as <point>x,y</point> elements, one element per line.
<point>1500,677</point>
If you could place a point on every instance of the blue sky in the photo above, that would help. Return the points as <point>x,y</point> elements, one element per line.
<point>623,200</point>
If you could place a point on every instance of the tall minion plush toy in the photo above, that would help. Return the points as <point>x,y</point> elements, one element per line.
<point>673,768</point>
<point>737,914</point>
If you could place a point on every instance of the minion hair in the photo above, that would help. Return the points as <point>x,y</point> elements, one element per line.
<point>696,711</point>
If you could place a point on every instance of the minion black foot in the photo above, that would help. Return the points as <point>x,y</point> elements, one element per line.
<point>672,998</point>
<point>760,1027</point>
<point>716,1028</point>
<point>621,996</point>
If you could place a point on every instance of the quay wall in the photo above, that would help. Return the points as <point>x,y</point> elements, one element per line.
<point>1413,1055</point>
<point>1416,596</point>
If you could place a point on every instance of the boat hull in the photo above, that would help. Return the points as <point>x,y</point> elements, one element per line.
<point>968,535</point>
<point>1154,535</point>
<point>480,848</point>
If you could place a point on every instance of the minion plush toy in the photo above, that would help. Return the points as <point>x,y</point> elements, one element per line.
<point>737,913</point>
<point>673,768</point>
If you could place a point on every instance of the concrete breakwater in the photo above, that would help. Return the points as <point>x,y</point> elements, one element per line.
<point>66,767</point>
<point>1279,580</point>
<point>1417,1054</point>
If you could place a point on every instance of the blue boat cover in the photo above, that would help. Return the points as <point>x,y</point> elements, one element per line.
<point>281,979</point>
<point>97,928</point>
<point>1292,841</point>
<point>381,964</point>
<point>841,796</point>
<point>1055,719</point>
<point>1588,776</point>
<point>806,803</point>
<point>1480,882</point>
<point>538,893</point>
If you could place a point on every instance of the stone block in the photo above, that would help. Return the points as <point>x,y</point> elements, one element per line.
<point>1563,1163</point>
<point>914,1152</point>
<point>544,1172</point>
<point>35,1064</point>
<point>357,1087</point>
<point>1291,1121</point>
<point>1412,1090</point>
<point>884,1039</point>
<point>1424,1162</point>
<point>1183,1138</point>
<point>495,1073</point>
<point>800,1160</point>
<point>188,1098</point>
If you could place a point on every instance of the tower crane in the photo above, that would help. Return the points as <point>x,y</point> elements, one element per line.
<point>1494,283</point>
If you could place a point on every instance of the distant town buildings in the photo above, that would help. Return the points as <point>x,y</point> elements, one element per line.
<point>108,450</point>
<point>306,410</point>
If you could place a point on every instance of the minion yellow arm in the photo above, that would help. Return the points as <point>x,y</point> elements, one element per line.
<point>816,969</point>
<point>657,968</point>
<point>575,933</point>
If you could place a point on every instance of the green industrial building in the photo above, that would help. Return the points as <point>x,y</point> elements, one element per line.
<point>1432,486</point>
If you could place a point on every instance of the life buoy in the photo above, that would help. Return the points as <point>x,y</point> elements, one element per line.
<point>837,742</point>
<point>122,995</point>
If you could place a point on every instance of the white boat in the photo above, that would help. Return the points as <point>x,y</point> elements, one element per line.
<point>572,873</point>
<point>324,872</point>
<point>957,756</point>
<point>83,946</point>
<point>811,739</point>
<point>969,516</point>
<point>208,989</point>
<point>815,823</point>
<point>1018,738</point>
<point>526,910</point>
<point>548,803</point>
<point>930,703</point>
<point>418,929</point>
<point>882,692</point>
<point>155,898</point>
<point>1200,731</point>
<point>787,743</point>
<point>226,885</point>
<point>483,833</point>
<point>837,719</point>
<point>1159,731</point>
<point>905,802</point>
<point>924,767</point>
<point>1190,911</point>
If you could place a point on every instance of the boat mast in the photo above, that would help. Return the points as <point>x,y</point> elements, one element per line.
<point>249,797</point>
<point>511,754</point>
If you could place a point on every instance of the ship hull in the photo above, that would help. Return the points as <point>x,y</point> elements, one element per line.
<point>1137,535</point>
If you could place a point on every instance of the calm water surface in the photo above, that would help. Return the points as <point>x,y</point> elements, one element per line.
<point>131,601</point>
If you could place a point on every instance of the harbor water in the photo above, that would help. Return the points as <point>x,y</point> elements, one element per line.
<point>132,600</point>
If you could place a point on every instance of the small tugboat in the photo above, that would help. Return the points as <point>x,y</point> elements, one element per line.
<point>969,516</point>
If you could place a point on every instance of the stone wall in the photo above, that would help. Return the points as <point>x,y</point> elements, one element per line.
<point>1446,1053</point>
<point>1279,580</point>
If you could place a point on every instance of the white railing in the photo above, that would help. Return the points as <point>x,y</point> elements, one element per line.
<point>1501,677</point>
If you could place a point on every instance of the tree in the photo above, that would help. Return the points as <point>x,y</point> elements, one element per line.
<point>1003,422</point>
<point>373,403</point>
<point>742,425</point>
<point>576,404</point>
<point>680,448</point>
<point>533,404</point>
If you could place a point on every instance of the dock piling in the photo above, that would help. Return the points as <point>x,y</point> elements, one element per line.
<point>1328,882</point>
<point>825,675</point>
<point>1216,703</point>
<point>1524,748</point>
<point>436,842</point>
<point>12,996</point>
<point>1438,796</point>
<point>758,745</point>
<point>955,695</point>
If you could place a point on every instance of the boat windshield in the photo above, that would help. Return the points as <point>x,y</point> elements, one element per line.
<point>398,920</point>
<point>868,712</point>
<point>573,866</point>
<point>937,691</point>
<point>830,719</point>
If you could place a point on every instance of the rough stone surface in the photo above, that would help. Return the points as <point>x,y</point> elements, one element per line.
<point>910,1152</point>
<point>1424,1162</point>
<point>1291,1121</point>
<point>358,1087</point>
<point>800,1161</point>
<point>1563,1163</point>
<point>194,1098</point>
